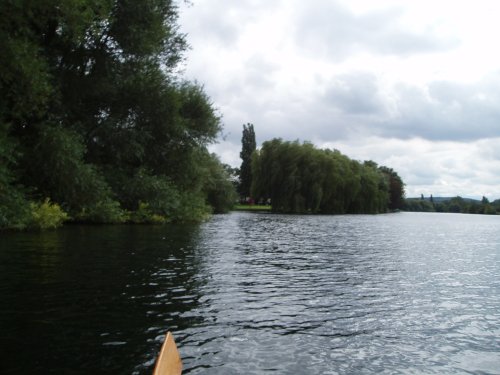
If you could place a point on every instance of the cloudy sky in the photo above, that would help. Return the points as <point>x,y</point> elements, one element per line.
<point>411,84</point>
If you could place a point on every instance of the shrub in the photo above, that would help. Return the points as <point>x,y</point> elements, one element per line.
<point>14,208</point>
<point>160,194</point>
<point>144,215</point>
<point>158,219</point>
<point>55,166</point>
<point>147,196</point>
<point>47,215</point>
<point>106,211</point>
<point>192,208</point>
<point>219,190</point>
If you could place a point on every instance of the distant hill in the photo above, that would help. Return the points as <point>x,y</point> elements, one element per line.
<point>452,204</point>
<point>444,199</point>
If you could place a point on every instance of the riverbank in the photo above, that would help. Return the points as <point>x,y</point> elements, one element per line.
<point>253,207</point>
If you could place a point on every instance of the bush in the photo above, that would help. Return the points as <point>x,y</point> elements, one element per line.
<point>156,199</point>
<point>192,208</point>
<point>103,212</point>
<point>219,190</point>
<point>14,208</point>
<point>56,167</point>
<point>47,215</point>
<point>158,192</point>
<point>144,215</point>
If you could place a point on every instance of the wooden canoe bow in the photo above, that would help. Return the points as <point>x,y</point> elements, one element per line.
<point>169,360</point>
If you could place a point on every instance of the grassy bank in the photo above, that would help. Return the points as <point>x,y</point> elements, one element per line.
<point>253,207</point>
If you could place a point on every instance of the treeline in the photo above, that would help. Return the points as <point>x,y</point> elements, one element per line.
<point>95,123</point>
<point>300,178</point>
<point>453,205</point>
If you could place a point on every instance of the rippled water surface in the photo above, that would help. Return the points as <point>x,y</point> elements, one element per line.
<point>256,293</point>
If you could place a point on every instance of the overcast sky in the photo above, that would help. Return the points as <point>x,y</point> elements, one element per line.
<point>413,85</point>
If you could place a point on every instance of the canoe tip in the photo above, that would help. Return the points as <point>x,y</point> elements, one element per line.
<point>169,361</point>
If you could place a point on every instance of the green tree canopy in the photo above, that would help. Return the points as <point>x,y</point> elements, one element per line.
<point>91,105</point>
<point>301,178</point>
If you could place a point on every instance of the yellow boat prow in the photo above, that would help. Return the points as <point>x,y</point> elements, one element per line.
<point>169,361</point>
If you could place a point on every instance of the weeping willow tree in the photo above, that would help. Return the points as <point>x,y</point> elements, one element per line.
<point>301,178</point>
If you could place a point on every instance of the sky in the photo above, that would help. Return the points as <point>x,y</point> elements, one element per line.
<point>412,85</point>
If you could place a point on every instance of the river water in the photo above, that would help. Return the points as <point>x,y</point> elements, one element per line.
<point>248,293</point>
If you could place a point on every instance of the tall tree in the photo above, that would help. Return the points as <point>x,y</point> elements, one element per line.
<point>248,147</point>
<point>396,188</point>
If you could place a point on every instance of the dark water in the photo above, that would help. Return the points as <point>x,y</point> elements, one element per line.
<point>256,293</point>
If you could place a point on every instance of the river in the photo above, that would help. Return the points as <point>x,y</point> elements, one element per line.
<point>254,293</point>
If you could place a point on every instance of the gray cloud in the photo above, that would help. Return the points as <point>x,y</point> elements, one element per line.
<point>447,111</point>
<point>353,105</point>
<point>259,74</point>
<point>332,31</point>
<point>355,93</point>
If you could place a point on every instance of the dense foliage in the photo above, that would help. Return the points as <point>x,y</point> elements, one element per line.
<point>94,117</point>
<point>454,205</point>
<point>248,146</point>
<point>301,178</point>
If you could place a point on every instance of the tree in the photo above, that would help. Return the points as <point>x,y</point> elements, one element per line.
<point>396,188</point>
<point>248,146</point>
<point>13,205</point>
<point>220,191</point>
<point>93,116</point>
<point>59,172</point>
<point>303,179</point>
<point>457,204</point>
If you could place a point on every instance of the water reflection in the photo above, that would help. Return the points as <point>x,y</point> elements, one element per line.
<point>97,299</point>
